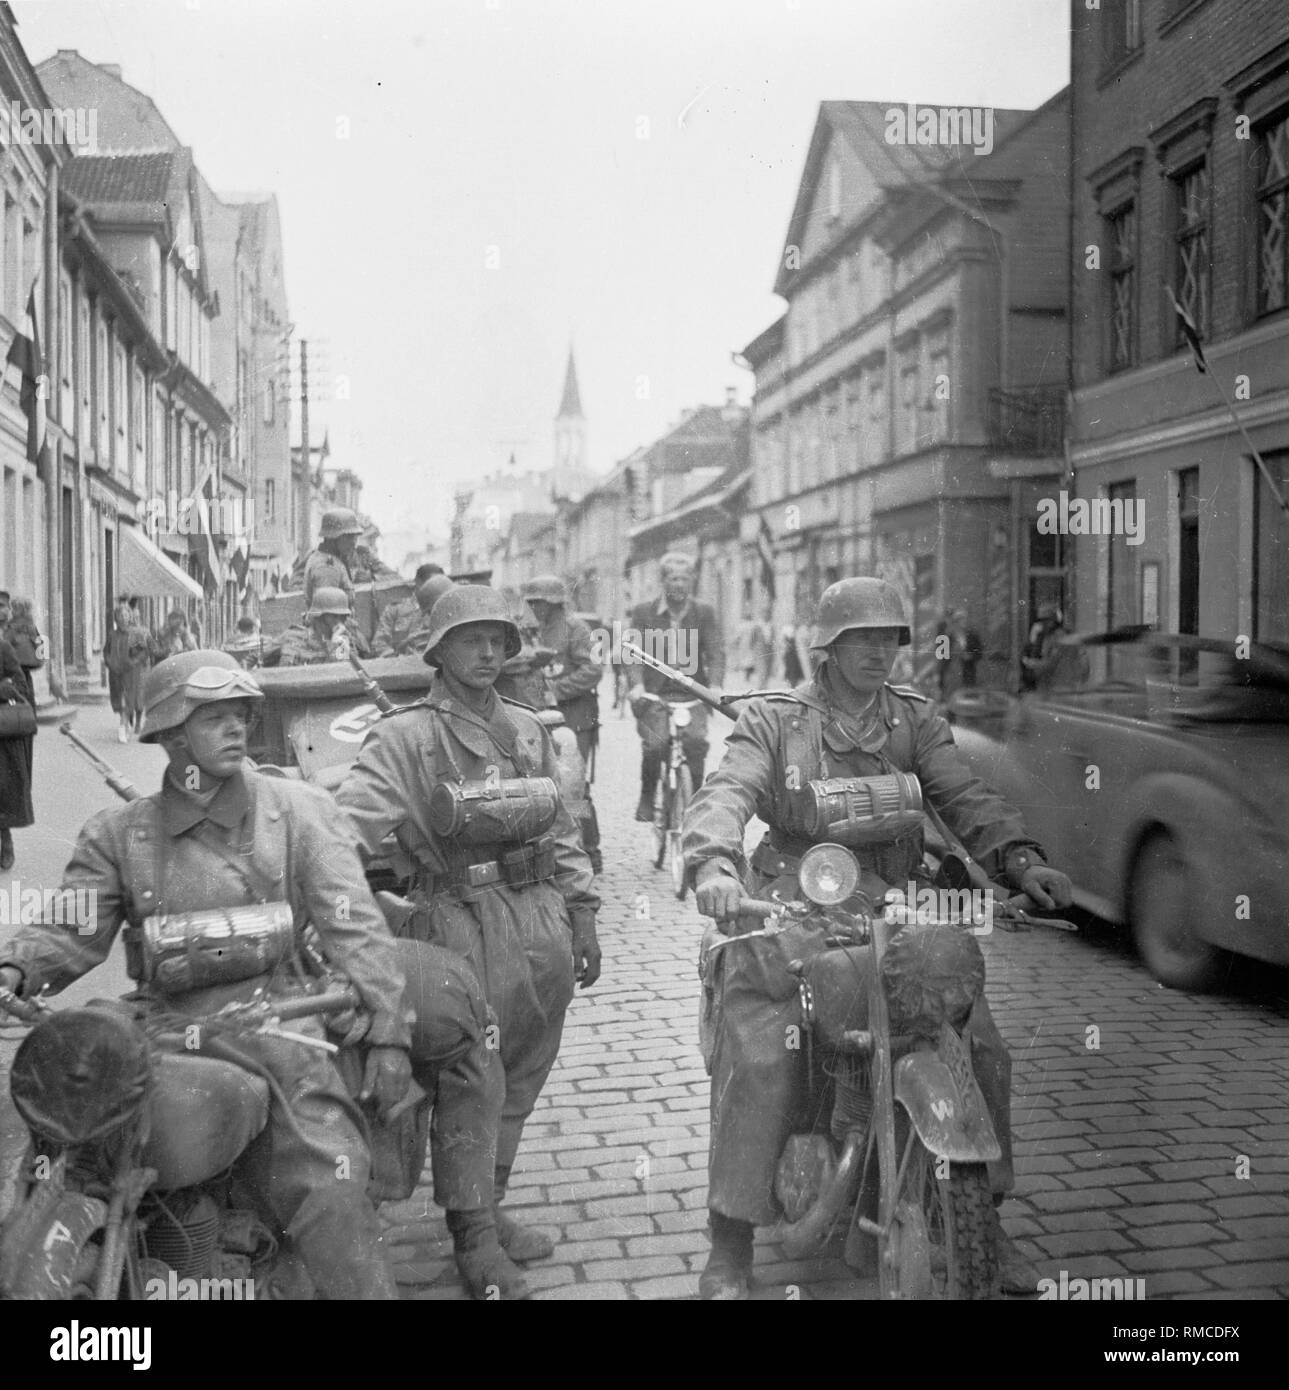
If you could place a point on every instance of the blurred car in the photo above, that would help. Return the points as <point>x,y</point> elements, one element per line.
<point>1154,769</point>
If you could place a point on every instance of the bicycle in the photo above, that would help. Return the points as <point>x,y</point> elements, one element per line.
<point>674,792</point>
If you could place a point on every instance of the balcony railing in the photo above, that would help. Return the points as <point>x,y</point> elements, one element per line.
<point>1028,422</point>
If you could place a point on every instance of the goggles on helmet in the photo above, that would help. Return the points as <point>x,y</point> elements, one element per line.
<point>208,682</point>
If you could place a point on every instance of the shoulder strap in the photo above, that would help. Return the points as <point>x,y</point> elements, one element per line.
<point>909,693</point>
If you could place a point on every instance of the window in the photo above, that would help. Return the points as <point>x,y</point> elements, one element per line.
<point>876,431</point>
<point>910,402</point>
<point>84,371</point>
<point>1121,579</point>
<point>938,388</point>
<point>1121,229</point>
<point>102,380</point>
<point>1191,254</point>
<point>1271,553</point>
<point>1120,31</point>
<point>1188,554</point>
<point>834,188</point>
<point>65,336</point>
<point>270,501</point>
<point>1273,216</point>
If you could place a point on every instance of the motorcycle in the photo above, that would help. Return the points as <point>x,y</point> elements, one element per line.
<point>128,1187</point>
<point>885,998</point>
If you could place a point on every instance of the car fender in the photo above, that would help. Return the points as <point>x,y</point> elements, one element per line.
<point>951,1120</point>
<point>1212,828</point>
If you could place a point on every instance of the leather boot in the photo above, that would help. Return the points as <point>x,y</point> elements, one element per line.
<point>521,1243</point>
<point>486,1268</point>
<point>6,850</point>
<point>650,768</point>
<point>1017,1273</point>
<point>729,1266</point>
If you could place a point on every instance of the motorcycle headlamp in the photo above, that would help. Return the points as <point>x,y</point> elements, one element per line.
<point>828,874</point>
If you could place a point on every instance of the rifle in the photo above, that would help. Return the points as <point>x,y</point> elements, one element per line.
<point>119,783</point>
<point>371,685</point>
<point>720,703</point>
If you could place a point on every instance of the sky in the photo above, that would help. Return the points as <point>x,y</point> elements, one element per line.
<point>468,186</point>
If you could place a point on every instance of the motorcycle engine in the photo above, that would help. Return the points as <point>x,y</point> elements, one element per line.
<point>183,1232</point>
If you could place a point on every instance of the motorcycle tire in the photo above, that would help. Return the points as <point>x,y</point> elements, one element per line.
<point>679,805</point>
<point>958,1211</point>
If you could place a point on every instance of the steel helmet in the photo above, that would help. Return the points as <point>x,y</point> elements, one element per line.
<point>328,600</point>
<point>339,521</point>
<point>549,588</point>
<point>177,686</point>
<point>470,603</point>
<point>858,603</point>
<point>429,591</point>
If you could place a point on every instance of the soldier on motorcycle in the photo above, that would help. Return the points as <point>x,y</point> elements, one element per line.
<point>844,722</point>
<point>506,885</point>
<point>220,834</point>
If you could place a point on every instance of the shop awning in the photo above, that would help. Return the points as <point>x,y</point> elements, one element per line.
<point>149,572</point>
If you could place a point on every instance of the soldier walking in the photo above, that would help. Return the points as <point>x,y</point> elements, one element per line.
<point>460,777</point>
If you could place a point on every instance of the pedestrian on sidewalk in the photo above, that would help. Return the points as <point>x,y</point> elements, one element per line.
<point>125,654</point>
<point>24,637</point>
<point>16,810</point>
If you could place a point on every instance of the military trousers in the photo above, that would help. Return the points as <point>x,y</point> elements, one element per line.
<point>519,943</point>
<point>310,1167</point>
<point>456,1060</point>
<point>761,1092</point>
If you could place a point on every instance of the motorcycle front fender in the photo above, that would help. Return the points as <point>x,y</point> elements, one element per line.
<point>40,1257</point>
<point>947,1111</point>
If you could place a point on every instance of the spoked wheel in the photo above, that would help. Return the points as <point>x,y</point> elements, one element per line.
<point>679,804</point>
<point>1163,908</point>
<point>943,1240</point>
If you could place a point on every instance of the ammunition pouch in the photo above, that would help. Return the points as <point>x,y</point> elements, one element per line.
<point>178,952</point>
<point>506,811</point>
<point>859,810</point>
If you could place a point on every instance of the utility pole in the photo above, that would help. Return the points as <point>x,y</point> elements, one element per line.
<point>305,472</point>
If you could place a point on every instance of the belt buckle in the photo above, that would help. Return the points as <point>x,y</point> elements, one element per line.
<point>479,875</point>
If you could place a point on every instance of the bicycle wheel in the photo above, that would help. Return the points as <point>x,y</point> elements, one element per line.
<point>679,804</point>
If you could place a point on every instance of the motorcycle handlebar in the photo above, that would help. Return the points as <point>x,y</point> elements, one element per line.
<point>757,907</point>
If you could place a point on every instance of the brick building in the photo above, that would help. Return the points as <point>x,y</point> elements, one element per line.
<point>1180,181</point>
<point>909,404</point>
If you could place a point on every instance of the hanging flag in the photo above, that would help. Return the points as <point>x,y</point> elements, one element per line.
<point>25,354</point>
<point>1189,331</point>
<point>765,547</point>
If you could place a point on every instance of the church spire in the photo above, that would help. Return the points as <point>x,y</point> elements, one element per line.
<point>570,406</point>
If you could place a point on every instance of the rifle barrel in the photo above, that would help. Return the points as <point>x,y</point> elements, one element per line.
<point>371,685</point>
<point>118,782</point>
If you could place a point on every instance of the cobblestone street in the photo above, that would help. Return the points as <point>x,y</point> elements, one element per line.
<point>1152,1127</point>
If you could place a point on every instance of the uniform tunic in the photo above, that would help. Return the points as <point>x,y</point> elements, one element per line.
<point>303,645</point>
<point>518,939</point>
<point>691,641</point>
<point>261,839</point>
<point>574,676</point>
<point>404,627</point>
<point>759,1085</point>
<point>323,570</point>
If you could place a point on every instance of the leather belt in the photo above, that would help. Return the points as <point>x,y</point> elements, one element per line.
<point>768,858</point>
<point>527,864</point>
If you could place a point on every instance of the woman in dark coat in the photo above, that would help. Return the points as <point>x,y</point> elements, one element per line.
<point>15,760</point>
